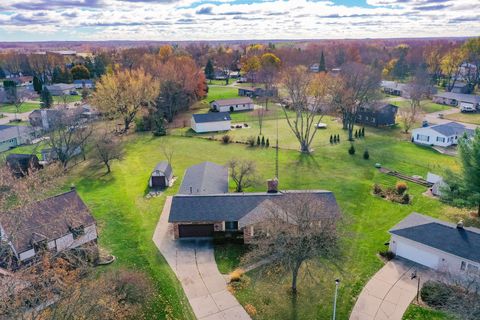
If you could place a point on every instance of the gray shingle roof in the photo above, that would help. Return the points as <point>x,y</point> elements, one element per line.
<point>10,132</point>
<point>393,85</point>
<point>228,102</point>
<point>459,97</point>
<point>211,117</point>
<point>205,178</point>
<point>450,129</point>
<point>232,206</point>
<point>164,167</point>
<point>444,236</point>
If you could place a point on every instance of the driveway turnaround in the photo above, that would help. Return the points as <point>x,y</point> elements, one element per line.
<point>194,264</point>
<point>390,291</point>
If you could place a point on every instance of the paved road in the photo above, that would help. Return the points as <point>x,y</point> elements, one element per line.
<point>389,292</point>
<point>194,264</point>
<point>433,118</point>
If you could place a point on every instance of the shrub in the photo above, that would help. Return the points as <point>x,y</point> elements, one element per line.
<point>338,138</point>
<point>258,140</point>
<point>377,189</point>
<point>226,139</point>
<point>356,134</point>
<point>389,255</point>
<point>267,143</point>
<point>401,187</point>
<point>236,275</point>
<point>351,150</point>
<point>405,199</point>
<point>251,310</point>
<point>435,294</point>
<point>366,155</point>
<point>251,141</point>
<point>335,139</point>
<point>245,125</point>
<point>331,139</point>
<point>263,141</point>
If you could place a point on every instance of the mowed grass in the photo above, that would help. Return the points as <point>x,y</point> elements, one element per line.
<point>465,117</point>
<point>67,98</point>
<point>25,107</point>
<point>221,92</point>
<point>415,312</point>
<point>427,105</point>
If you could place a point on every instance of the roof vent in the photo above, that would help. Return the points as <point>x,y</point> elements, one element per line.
<point>272,185</point>
<point>460,224</point>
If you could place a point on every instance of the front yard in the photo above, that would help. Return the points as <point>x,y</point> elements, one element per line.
<point>465,117</point>
<point>427,105</point>
<point>25,107</point>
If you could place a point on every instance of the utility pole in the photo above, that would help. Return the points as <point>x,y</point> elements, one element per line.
<point>276,153</point>
<point>337,282</point>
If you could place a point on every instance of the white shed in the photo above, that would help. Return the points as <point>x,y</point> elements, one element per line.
<point>211,122</point>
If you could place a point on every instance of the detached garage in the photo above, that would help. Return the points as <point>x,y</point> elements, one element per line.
<point>436,244</point>
<point>161,176</point>
<point>211,122</point>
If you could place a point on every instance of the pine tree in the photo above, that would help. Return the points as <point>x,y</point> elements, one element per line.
<point>363,132</point>
<point>331,139</point>
<point>335,139</point>
<point>2,73</point>
<point>356,134</point>
<point>46,98</point>
<point>338,137</point>
<point>351,150</point>
<point>209,70</point>
<point>321,65</point>
<point>37,85</point>
<point>366,155</point>
<point>258,140</point>
<point>267,144</point>
<point>263,141</point>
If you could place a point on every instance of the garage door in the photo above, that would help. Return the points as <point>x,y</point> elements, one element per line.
<point>158,182</point>
<point>417,255</point>
<point>195,230</point>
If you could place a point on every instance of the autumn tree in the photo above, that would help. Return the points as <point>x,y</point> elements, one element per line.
<point>269,69</point>
<point>243,173</point>
<point>107,147</point>
<point>300,229</point>
<point>471,52</point>
<point>451,67</point>
<point>80,72</point>
<point>250,68</point>
<point>357,87</point>
<point>171,100</point>
<point>306,97</point>
<point>124,93</point>
<point>433,60</point>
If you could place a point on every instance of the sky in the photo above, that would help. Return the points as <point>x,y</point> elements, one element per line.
<point>176,20</point>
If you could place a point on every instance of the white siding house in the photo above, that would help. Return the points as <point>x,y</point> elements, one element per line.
<point>231,105</point>
<point>439,245</point>
<point>211,122</point>
<point>442,135</point>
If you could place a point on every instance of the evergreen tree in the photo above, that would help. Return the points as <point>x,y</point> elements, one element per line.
<point>338,137</point>
<point>356,134</point>
<point>46,98</point>
<point>159,126</point>
<point>351,150</point>
<point>37,85</point>
<point>267,144</point>
<point>258,140</point>
<point>335,139</point>
<point>321,66</point>
<point>209,70</point>
<point>57,75</point>
<point>100,67</point>
<point>331,139</point>
<point>2,73</point>
<point>263,141</point>
<point>366,155</point>
<point>363,132</point>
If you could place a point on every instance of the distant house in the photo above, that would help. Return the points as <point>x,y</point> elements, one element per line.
<point>211,122</point>
<point>461,87</point>
<point>205,178</point>
<point>50,154</point>
<point>14,136</point>
<point>21,164</point>
<point>437,184</point>
<point>61,89</point>
<point>44,118</point>
<point>55,224</point>
<point>381,115</point>
<point>80,84</point>
<point>315,67</point>
<point>236,104</point>
<point>23,81</point>
<point>394,88</point>
<point>442,135</point>
<point>467,102</point>
<point>161,176</point>
<point>436,244</point>
<point>254,92</point>
<point>244,213</point>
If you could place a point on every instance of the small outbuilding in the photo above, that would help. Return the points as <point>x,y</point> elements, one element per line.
<point>161,176</point>
<point>232,105</point>
<point>211,122</point>
<point>21,164</point>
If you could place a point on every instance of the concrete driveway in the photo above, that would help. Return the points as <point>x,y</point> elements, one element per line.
<point>433,118</point>
<point>389,292</point>
<point>194,264</point>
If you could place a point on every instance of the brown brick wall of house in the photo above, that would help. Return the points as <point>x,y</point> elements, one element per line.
<point>217,226</point>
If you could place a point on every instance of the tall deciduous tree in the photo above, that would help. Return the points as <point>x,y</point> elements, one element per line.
<point>299,229</point>
<point>80,72</point>
<point>451,67</point>
<point>269,69</point>
<point>243,173</point>
<point>171,100</point>
<point>107,147</point>
<point>124,93</point>
<point>471,51</point>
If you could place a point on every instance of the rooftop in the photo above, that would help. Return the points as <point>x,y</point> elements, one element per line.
<point>163,167</point>
<point>451,129</point>
<point>205,178</point>
<point>211,117</point>
<point>228,102</point>
<point>459,97</point>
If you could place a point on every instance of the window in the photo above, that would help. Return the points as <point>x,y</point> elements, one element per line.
<point>231,225</point>
<point>463,266</point>
<point>422,137</point>
<point>440,139</point>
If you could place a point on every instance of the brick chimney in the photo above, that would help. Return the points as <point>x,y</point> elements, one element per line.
<point>460,224</point>
<point>272,185</point>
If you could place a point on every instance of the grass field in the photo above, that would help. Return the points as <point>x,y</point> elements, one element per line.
<point>464,117</point>
<point>67,98</point>
<point>427,105</point>
<point>221,92</point>
<point>25,107</point>
<point>415,312</point>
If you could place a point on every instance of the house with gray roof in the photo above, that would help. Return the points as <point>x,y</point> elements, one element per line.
<point>442,135</point>
<point>394,88</point>
<point>467,102</point>
<point>231,105</point>
<point>205,178</point>
<point>436,244</point>
<point>211,122</point>
<point>14,136</point>
<point>202,215</point>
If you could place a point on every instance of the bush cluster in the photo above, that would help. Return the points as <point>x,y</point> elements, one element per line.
<point>360,133</point>
<point>334,139</point>
<point>397,194</point>
<point>260,142</point>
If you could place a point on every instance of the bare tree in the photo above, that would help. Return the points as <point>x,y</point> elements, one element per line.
<point>299,228</point>
<point>243,173</point>
<point>168,150</point>
<point>306,95</point>
<point>417,90</point>
<point>356,88</point>
<point>107,147</point>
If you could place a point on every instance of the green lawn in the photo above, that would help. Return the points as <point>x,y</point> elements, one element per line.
<point>415,312</point>
<point>220,82</point>
<point>67,98</point>
<point>464,117</point>
<point>427,105</point>
<point>25,107</point>
<point>221,92</point>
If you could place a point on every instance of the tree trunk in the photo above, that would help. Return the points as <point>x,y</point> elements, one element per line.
<point>478,212</point>
<point>304,147</point>
<point>108,167</point>
<point>126,125</point>
<point>294,278</point>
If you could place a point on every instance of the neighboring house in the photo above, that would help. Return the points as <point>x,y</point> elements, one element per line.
<point>202,215</point>
<point>55,224</point>
<point>13,136</point>
<point>380,115</point>
<point>44,118</point>
<point>461,87</point>
<point>394,88</point>
<point>254,92</point>
<point>442,135</point>
<point>315,67</point>
<point>464,101</point>
<point>437,244</point>
<point>80,84</point>
<point>211,122</point>
<point>437,184</point>
<point>24,81</point>
<point>236,104</point>
<point>205,178</point>
<point>161,176</point>
<point>61,89</point>
<point>20,164</point>
<point>50,154</point>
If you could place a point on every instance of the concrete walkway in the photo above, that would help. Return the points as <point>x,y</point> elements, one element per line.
<point>389,292</point>
<point>433,118</point>
<point>194,264</point>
